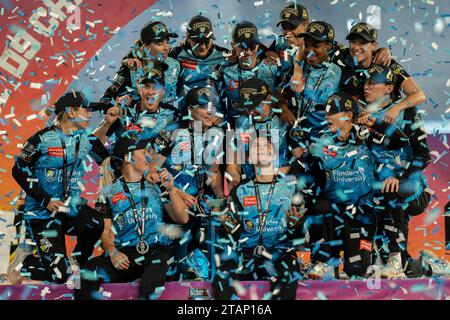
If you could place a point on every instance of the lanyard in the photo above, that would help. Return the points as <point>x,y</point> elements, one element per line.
<point>199,169</point>
<point>301,111</point>
<point>263,215</point>
<point>139,227</point>
<point>67,178</point>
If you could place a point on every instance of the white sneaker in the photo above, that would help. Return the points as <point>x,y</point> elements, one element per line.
<point>393,268</point>
<point>439,267</point>
<point>15,265</point>
<point>321,271</point>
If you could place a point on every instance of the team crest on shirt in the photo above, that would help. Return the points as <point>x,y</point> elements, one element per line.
<point>120,221</point>
<point>51,174</point>
<point>249,226</point>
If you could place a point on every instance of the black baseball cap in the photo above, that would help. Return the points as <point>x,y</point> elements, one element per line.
<point>364,31</point>
<point>200,97</point>
<point>154,74</point>
<point>293,14</point>
<point>252,93</point>
<point>245,34</point>
<point>156,31</point>
<point>381,74</point>
<point>75,99</point>
<point>319,31</point>
<point>129,141</point>
<point>341,102</point>
<point>200,29</point>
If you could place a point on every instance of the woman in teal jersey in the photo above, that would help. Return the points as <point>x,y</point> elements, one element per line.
<point>50,169</point>
<point>260,226</point>
<point>151,49</point>
<point>133,204</point>
<point>401,187</point>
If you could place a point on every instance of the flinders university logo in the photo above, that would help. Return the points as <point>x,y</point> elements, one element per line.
<point>199,294</point>
<point>349,176</point>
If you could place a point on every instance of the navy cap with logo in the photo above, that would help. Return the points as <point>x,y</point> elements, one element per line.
<point>252,93</point>
<point>293,14</point>
<point>75,99</point>
<point>156,31</point>
<point>364,31</point>
<point>129,141</point>
<point>200,29</point>
<point>381,74</point>
<point>341,102</point>
<point>154,74</point>
<point>201,97</point>
<point>319,31</point>
<point>245,34</point>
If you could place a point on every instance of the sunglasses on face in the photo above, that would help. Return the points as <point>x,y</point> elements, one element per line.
<point>201,41</point>
<point>371,82</point>
<point>245,46</point>
<point>288,26</point>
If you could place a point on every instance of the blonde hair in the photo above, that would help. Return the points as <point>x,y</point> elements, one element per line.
<point>59,118</point>
<point>107,175</point>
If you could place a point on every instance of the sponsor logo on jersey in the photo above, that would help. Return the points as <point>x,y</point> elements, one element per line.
<point>233,84</point>
<point>118,197</point>
<point>133,127</point>
<point>55,152</point>
<point>189,64</point>
<point>249,201</point>
<point>365,245</point>
<point>329,152</point>
<point>349,176</point>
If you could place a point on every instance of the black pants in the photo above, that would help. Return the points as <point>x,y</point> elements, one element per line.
<point>283,269</point>
<point>152,272</point>
<point>52,264</point>
<point>394,220</point>
<point>335,229</point>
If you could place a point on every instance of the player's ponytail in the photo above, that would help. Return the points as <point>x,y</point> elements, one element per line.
<point>107,176</point>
